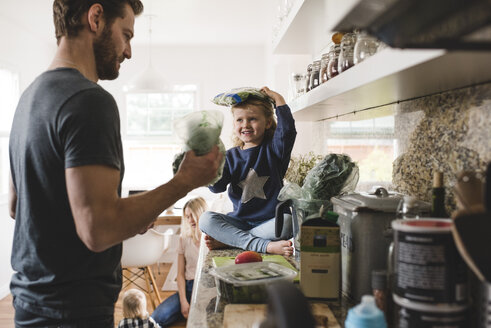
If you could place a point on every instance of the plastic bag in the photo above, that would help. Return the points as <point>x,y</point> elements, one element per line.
<point>238,95</point>
<point>334,175</point>
<point>200,131</point>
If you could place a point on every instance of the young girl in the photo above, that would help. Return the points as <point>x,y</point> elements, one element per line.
<point>176,306</point>
<point>135,311</point>
<point>254,172</point>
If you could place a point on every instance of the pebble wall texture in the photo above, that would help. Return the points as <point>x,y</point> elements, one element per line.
<point>449,132</point>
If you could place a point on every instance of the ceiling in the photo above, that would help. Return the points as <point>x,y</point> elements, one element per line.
<point>173,22</point>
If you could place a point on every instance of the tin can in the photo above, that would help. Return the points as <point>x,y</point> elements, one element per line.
<point>427,266</point>
<point>422,315</point>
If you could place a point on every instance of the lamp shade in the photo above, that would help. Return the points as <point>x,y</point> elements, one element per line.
<point>146,82</point>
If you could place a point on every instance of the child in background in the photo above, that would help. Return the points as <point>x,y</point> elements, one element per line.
<point>254,172</point>
<point>135,311</point>
<point>176,306</point>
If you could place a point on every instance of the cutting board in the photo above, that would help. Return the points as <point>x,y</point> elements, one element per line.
<point>246,315</point>
<point>278,259</point>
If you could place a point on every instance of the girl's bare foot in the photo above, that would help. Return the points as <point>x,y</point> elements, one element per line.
<point>212,243</point>
<point>280,247</point>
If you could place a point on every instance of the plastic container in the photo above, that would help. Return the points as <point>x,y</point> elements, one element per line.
<point>365,315</point>
<point>246,283</point>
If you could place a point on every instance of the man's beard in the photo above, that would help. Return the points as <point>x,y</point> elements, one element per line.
<point>106,59</point>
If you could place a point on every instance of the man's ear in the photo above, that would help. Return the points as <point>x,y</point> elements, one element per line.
<point>269,123</point>
<point>95,16</point>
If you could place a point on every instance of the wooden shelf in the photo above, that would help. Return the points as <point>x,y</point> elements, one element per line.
<point>390,76</point>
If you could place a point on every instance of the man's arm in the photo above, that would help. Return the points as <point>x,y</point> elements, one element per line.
<point>12,198</point>
<point>103,219</point>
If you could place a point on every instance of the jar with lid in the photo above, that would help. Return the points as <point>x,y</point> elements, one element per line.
<point>315,75</point>
<point>307,78</point>
<point>324,63</point>
<point>346,55</point>
<point>297,86</point>
<point>332,64</point>
<point>365,47</point>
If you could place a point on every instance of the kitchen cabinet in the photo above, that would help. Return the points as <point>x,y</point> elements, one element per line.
<point>390,76</point>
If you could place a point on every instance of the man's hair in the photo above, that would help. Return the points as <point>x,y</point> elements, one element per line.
<point>67,14</point>
<point>134,304</point>
<point>268,112</point>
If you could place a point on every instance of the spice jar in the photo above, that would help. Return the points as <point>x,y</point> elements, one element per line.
<point>365,47</point>
<point>324,63</point>
<point>307,78</point>
<point>315,75</point>
<point>346,55</point>
<point>332,64</point>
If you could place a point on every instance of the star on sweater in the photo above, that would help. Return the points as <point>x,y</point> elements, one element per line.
<point>252,186</point>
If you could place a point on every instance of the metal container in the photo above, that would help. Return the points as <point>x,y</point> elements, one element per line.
<point>366,233</point>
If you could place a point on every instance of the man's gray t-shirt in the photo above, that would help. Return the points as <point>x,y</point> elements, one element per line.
<point>63,120</point>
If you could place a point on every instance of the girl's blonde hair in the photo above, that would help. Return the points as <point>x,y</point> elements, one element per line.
<point>196,206</point>
<point>134,304</point>
<point>267,110</point>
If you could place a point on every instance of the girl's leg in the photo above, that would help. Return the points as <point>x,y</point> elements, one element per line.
<point>169,311</point>
<point>231,231</point>
<point>266,230</point>
<point>279,245</point>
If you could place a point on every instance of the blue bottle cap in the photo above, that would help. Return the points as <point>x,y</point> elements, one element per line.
<point>365,315</point>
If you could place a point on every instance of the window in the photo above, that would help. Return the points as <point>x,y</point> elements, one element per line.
<point>152,114</point>
<point>9,96</point>
<point>370,143</point>
<point>150,143</point>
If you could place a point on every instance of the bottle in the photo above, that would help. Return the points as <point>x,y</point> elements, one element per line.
<point>438,197</point>
<point>365,315</point>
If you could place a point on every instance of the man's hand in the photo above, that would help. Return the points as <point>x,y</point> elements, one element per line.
<point>196,171</point>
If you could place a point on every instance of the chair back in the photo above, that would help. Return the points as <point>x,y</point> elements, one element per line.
<point>143,250</point>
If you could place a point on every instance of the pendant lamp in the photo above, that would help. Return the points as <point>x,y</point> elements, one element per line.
<point>149,80</point>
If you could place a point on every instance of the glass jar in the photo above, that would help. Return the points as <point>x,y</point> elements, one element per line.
<point>315,75</point>
<point>307,78</point>
<point>297,85</point>
<point>365,47</point>
<point>347,51</point>
<point>324,63</point>
<point>332,64</point>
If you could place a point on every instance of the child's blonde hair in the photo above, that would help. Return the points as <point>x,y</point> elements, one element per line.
<point>267,110</point>
<point>134,304</point>
<point>196,206</point>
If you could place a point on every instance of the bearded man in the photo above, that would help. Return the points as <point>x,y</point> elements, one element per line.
<point>66,165</point>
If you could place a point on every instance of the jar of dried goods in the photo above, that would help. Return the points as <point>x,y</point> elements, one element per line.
<point>346,56</point>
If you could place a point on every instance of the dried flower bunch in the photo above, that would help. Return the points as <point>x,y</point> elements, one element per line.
<point>300,166</point>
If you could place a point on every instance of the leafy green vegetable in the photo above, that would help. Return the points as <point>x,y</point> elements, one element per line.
<point>200,131</point>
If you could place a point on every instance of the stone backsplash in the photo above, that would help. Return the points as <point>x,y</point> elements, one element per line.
<point>448,132</point>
